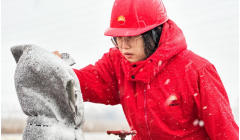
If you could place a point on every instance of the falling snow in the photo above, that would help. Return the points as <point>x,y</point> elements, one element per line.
<point>167,81</point>
<point>201,123</point>
<point>196,122</point>
<point>159,63</point>
<point>148,86</point>
<point>205,107</point>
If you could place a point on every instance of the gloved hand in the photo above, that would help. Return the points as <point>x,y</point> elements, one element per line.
<point>65,57</point>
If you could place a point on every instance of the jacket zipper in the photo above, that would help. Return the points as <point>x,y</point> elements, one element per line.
<point>145,109</point>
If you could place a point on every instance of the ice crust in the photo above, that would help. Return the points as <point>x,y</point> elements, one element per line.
<point>49,93</point>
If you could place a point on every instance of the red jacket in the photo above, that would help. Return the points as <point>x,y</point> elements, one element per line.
<point>173,94</point>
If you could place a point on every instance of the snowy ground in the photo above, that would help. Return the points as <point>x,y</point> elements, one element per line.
<point>88,136</point>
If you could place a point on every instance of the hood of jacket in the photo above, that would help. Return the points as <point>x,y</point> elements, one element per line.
<point>172,42</point>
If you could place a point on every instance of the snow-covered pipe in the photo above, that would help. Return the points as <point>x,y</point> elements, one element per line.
<point>49,94</point>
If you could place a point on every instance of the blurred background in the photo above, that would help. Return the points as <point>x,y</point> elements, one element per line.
<point>211,28</point>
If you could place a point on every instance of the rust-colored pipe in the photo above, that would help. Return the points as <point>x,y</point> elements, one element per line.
<point>122,133</point>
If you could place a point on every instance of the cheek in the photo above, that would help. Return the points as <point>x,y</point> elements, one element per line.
<point>139,54</point>
<point>142,55</point>
<point>121,51</point>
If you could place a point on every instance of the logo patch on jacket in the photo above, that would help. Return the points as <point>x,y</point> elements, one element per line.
<point>172,100</point>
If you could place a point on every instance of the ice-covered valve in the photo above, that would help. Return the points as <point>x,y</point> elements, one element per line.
<point>122,133</point>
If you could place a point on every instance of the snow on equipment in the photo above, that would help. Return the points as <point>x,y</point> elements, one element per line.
<point>49,94</point>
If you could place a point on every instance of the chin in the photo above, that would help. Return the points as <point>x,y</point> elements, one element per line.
<point>132,61</point>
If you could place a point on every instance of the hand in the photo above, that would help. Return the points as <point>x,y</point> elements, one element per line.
<point>57,53</point>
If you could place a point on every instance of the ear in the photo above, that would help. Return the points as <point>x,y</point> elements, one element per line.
<point>17,51</point>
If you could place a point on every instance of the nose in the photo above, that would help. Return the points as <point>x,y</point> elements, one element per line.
<point>125,45</point>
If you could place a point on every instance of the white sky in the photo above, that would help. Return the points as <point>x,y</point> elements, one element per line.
<point>76,27</point>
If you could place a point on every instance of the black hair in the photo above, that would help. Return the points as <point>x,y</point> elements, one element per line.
<point>151,40</point>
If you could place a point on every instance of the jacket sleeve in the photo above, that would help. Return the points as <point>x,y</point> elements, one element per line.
<point>214,108</point>
<point>98,82</point>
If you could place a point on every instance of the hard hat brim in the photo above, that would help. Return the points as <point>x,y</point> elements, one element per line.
<point>115,32</point>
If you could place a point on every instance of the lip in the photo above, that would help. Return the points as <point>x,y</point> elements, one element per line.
<point>128,55</point>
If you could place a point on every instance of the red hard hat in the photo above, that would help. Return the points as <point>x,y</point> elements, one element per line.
<point>134,17</point>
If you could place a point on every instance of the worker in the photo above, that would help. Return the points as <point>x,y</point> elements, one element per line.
<point>167,92</point>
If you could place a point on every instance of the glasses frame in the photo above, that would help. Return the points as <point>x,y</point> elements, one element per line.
<point>114,40</point>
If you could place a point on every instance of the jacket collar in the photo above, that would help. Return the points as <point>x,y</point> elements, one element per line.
<point>172,42</point>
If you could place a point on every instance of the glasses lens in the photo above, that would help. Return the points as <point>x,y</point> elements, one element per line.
<point>119,40</point>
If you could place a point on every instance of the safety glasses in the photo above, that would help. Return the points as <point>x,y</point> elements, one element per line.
<point>118,41</point>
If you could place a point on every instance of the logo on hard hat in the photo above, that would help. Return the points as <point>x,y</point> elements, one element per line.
<point>121,20</point>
